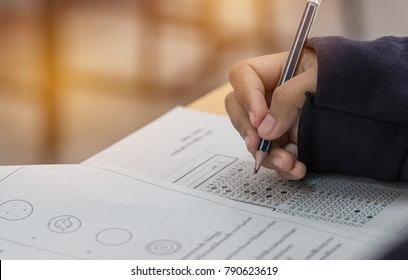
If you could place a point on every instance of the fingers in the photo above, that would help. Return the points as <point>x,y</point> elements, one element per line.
<point>287,101</point>
<point>296,173</point>
<point>284,161</point>
<point>240,121</point>
<point>258,108</point>
<point>253,82</point>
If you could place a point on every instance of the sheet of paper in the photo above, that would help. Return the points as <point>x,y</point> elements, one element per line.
<point>202,151</point>
<point>86,212</point>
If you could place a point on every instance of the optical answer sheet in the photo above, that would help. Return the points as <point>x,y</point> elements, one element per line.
<point>202,151</point>
<point>85,212</point>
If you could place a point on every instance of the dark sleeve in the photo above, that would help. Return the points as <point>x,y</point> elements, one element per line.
<point>399,252</point>
<point>357,121</point>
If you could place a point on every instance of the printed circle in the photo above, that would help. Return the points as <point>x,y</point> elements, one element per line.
<point>114,236</point>
<point>14,210</point>
<point>163,247</point>
<point>64,224</point>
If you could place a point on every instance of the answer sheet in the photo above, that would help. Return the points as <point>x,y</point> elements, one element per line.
<point>202,151</point>
<point>87,212</point>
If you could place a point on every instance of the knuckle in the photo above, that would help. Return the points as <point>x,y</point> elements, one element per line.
<point>236,69</point>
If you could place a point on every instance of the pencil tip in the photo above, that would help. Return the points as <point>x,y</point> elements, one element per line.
<point>259,158</point>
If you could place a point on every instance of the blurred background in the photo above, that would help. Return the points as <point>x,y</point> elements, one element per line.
<point>78,75</point>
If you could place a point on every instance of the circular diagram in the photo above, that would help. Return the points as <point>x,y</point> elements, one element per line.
<point>64,224</point>
<point>163,247</point>
<point>14,210</point>
<point>114,236</point>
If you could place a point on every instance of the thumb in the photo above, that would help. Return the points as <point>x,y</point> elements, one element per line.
<point>287,101</point>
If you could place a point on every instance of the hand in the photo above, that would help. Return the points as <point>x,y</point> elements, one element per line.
<point>258,108</point>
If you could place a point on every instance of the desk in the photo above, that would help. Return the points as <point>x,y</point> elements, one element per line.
<point>212,102</point>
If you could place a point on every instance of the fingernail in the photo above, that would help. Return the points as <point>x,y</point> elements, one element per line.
<point>252,117</point>
<point>267,125</point>
<point>277,161</point>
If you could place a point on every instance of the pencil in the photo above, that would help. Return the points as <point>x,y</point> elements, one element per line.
<point>305,25</point>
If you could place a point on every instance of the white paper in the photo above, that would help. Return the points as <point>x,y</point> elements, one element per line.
<point>86,212</point>
<point>204,152</point>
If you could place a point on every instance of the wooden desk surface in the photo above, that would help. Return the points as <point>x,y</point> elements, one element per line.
<point>213,102</point>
